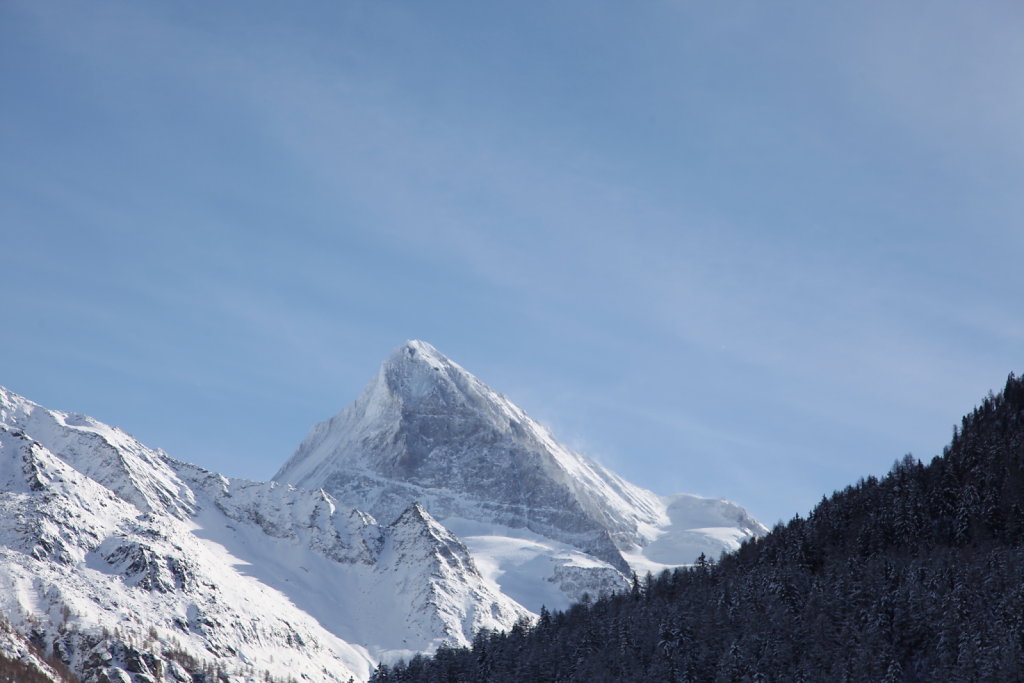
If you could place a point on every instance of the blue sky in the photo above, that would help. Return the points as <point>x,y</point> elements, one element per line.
<point>739,249</point>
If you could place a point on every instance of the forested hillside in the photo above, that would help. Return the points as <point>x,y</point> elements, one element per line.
<point>918,576</point>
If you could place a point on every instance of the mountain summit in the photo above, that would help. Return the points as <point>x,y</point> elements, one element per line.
<point>426,430</point>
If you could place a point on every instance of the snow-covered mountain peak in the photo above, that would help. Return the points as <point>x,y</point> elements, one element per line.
<point>417,394</point>
<point>425,429</point>
<point>416,526</point>
<point>417,529</point>
<point>416,352</point>
<point>414,514</point>
<point>417,377</point>
<point>439,435</point>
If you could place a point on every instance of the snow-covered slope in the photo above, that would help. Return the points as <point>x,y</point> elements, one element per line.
<point>131,566</point>
<point>531,510</point>
<point>22,661</point>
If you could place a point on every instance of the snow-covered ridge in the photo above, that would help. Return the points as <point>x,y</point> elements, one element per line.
<point>107,455</point>
<point>137,567</point>
<point>131,566</point>
<point>426,429</point>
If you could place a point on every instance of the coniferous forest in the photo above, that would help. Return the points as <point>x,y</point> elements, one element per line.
<point>917,576</point>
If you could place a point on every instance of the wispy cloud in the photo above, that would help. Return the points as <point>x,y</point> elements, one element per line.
<point>741,251</point>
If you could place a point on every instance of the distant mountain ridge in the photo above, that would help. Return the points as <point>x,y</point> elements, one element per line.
<point>426,429</point>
